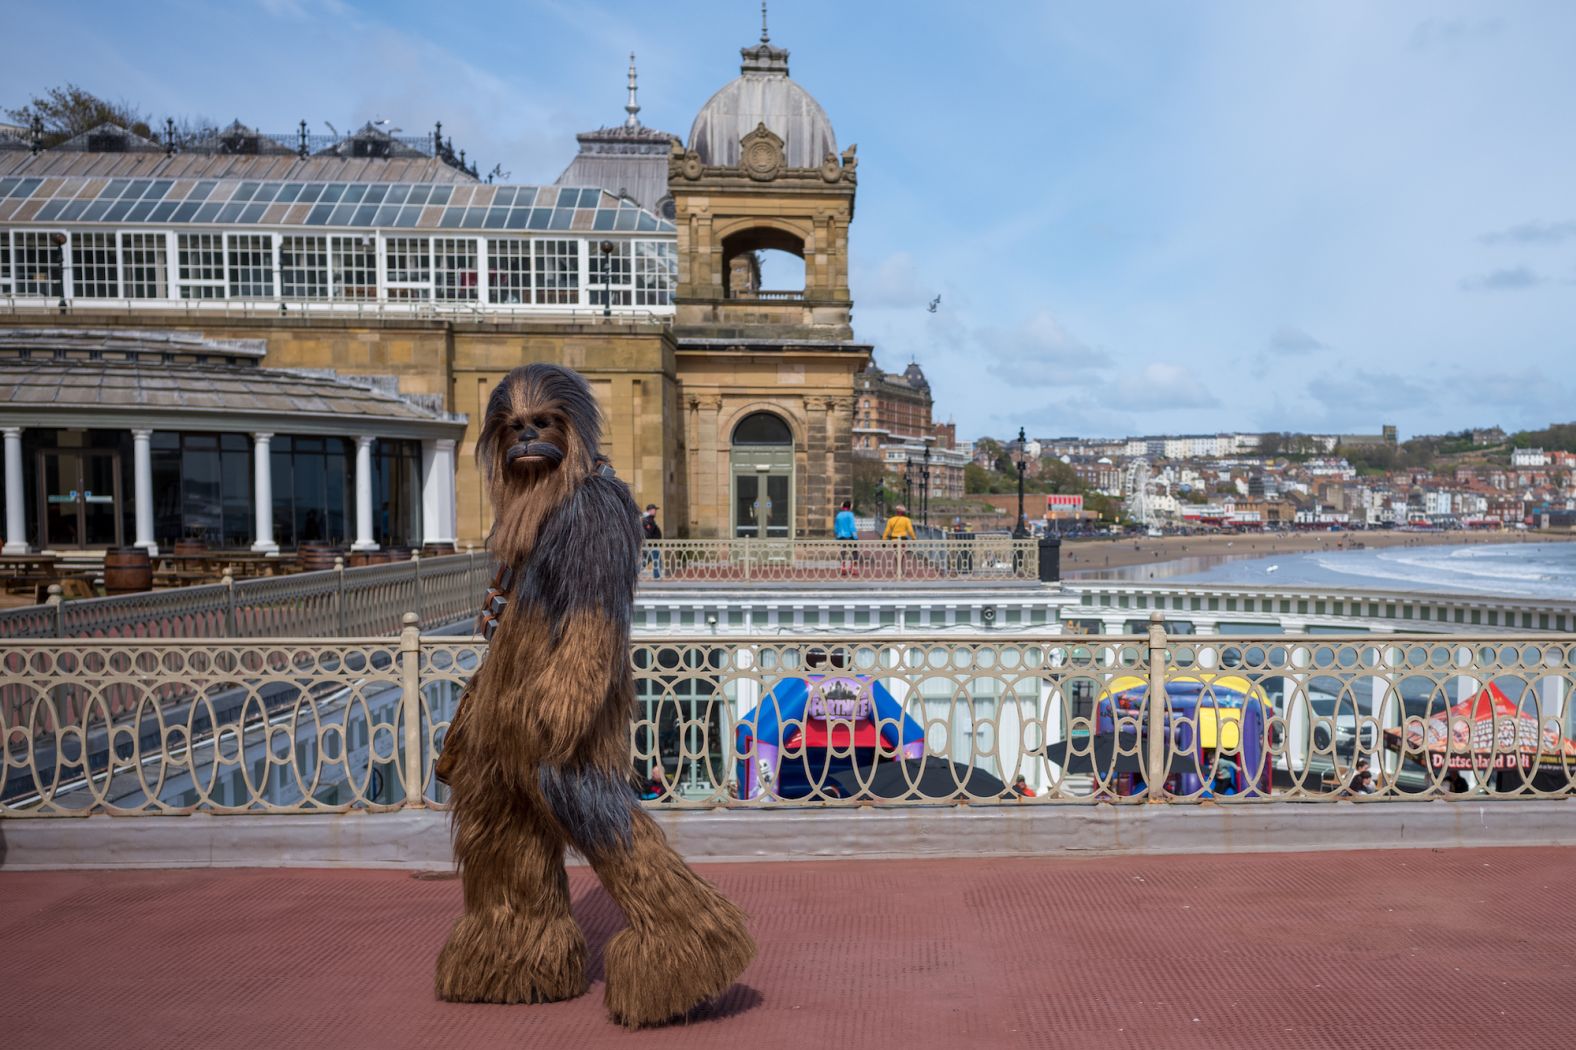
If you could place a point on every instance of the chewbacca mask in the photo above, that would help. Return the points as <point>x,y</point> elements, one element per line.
<point>537,757</point>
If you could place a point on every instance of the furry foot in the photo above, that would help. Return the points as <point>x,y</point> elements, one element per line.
<point>661,974</point>
<point>501,956</point>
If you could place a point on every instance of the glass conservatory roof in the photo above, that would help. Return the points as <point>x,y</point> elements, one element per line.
<point>231,202</point>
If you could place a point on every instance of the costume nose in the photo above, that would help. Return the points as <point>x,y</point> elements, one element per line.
<point>526,432</point>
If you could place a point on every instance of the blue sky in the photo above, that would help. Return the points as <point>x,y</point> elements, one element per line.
<point>1141,217</point>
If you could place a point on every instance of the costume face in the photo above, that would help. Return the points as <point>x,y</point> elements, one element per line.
<point>538,440</point>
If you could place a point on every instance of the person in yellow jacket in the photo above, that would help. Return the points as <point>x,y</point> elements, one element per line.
<point>898,526</point>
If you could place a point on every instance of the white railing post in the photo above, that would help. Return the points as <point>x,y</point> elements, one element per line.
<point>412,767</point>
<point>1157,758</point>
<point>339,596</point>
<point>229,605</point>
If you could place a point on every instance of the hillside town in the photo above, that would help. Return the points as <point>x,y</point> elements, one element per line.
<point>1474,479</point>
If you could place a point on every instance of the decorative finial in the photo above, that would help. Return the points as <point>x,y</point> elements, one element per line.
<point>765,39</point>
<point>632,107</point>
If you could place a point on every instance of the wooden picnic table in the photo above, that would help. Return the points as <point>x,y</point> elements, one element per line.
<point>22,571</point>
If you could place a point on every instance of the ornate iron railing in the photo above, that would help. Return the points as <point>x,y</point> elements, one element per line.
<point>338,602</point>
<point>170,727</point>
<point>801,560</point>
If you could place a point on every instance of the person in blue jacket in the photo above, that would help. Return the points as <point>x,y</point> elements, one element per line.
<point>844,528</point>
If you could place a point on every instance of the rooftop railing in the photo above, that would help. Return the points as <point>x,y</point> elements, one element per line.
<point>983,558</point>
<point>297,726</point>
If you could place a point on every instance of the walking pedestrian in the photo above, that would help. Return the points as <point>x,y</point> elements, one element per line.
<point>900,528</point>
<point>845,528</point>
<point>649,528</point>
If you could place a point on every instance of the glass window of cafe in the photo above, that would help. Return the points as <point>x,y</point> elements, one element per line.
<point>202,488</point>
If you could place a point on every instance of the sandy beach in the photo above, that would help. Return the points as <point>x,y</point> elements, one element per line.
<point>1089,557</point>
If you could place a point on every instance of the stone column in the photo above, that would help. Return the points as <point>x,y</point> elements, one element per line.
<point>142,489</point>
<point>437,490</point>
<point>364,540</point>
<point>263,494</point>
<point>15,508</point>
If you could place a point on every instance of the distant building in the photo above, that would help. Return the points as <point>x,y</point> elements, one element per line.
<point>1529,457</point>
<point>891,408</point>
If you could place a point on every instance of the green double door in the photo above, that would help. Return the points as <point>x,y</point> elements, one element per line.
<point>762,493</point>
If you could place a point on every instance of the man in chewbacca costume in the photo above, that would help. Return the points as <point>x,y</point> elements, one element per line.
<point>538,757</point>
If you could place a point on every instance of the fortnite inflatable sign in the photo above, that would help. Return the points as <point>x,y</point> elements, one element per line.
<point>839,698</point>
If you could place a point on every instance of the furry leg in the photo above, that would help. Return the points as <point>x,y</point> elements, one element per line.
<point>516,942</point>
<point>686,943</point>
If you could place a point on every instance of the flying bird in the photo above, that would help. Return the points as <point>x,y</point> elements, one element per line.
<point>934,303</point>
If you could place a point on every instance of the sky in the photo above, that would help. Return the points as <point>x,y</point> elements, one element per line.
<point>1141,217</point>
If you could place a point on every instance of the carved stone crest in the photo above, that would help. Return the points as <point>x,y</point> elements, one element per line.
<point>761,154</point>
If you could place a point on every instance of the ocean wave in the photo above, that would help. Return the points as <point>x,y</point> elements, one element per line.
<point>1525,570</point>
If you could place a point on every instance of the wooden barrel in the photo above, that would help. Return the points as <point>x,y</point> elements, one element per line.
<point>437,550</point>
<point>398,553</point>
<point>360,558</point>
<point>191,547</point>
<point>127,570</point>
<point>316,554</point>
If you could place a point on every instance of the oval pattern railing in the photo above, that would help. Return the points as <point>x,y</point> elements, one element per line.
<point>808,560</point>
<point>337,602</point>
<point>224,726</point>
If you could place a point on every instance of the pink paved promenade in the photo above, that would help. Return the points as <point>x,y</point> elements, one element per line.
<point>1308,951</point>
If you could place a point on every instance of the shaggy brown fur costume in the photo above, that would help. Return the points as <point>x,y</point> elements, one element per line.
<point>537,756</point>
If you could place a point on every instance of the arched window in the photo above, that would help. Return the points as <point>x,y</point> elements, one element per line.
<point>762,428</point>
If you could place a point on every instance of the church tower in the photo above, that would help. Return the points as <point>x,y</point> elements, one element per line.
<point>767,373</point>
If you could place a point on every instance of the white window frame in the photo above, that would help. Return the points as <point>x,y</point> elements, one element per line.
<point>99,241</point>
<point>404,290</point>
<point>263,245</point>
<point>520,250</point>
<point>144,243</point>
<point>323,287</point>
<point>445,291</point>
<point>183,282</point>
<point>54,289</point>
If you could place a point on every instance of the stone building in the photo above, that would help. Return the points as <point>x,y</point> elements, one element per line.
<point>385,258</point>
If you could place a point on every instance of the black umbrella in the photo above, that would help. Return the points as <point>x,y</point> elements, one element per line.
<point>1099,756</point>
<point>930,779</point>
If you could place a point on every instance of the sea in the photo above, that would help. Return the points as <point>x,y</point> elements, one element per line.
<point>1511,570</point>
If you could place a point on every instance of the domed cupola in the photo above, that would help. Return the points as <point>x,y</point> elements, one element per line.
<point>763,95</point>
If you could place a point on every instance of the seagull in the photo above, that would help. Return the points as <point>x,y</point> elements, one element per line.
<point>934,303</point>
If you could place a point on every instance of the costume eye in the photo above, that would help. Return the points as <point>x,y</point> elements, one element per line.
<point>541,422</point>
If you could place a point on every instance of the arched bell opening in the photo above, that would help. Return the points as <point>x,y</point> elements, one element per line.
<point>763,263</point>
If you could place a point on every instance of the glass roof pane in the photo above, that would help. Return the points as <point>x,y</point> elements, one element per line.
<point>505,197</point>
<point>161,211</point>
<point>374,195</point>
<point>626,220</point>
<point>604,219</point>
<point>332,193</point>
<point>138,187</point>
<point>72,210</point>
<point>118,211</point>
<point>49,210</point>
<point>519,218</point>
<point>567,198</point>
<point>386,214</point>
<point>418,195</point>
<point>183,213</point>
<point>254,211</point>
<point>341,215</point>
<point>288,192</point>
<point>562,219</point>
<point>140,211</point>
<point>244,192</point>
<point>96,210</point>
<point>158,189</point>
<point>440,194</point>
<point>207,212</point>
<point>496,218</point>
<point>397,194</point>
<point>116,187</point>
<point>452,217</point>
<point>647,223</point>
<point>363,216</point>
<point>473,218</point>
<point>354,192</point>
<point>231,212</point>
<point>310,193</point>
<point>409,216</point>
<point>319,214</point>
<point>201,191</point>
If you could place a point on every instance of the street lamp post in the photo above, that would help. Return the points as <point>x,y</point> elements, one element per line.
<point>924,492</point>
<point>59,241</point>
<point>607,278</point>
<point>908,484</point>
<point>1022,531</point>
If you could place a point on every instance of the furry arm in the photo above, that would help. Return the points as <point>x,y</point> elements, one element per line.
<point>579,587</point>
